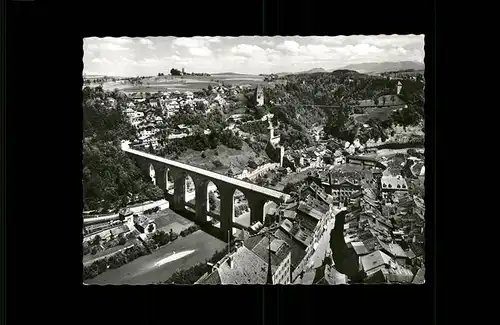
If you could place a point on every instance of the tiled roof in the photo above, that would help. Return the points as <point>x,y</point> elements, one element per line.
<point>398,275</point>
<point>276,245</point>
<point>394,182</point>
<point>251,242</point>
<point>277,256</point>
<point>247,268</point>
<point>303,237</point>
<point>359,248</point>
<point>296,249</point>
<point>289,214</point>
<point>210,278</point>
<point>396,250</point>
<point>308,210</point>
<point>410,254</point>
<point>419,276</point>
<point>374,260</point>
<point>287,225</point>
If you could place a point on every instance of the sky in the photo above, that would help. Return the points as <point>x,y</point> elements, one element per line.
<point>130,57</point>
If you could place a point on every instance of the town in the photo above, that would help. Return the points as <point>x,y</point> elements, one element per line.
<point>255,182</point>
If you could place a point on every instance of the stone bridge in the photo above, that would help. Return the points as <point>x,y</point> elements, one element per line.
<point>256,195</point>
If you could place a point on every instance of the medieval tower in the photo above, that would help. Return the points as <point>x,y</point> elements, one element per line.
<point>273,148</point>
<point>399,86</point>
<point>259,96</point>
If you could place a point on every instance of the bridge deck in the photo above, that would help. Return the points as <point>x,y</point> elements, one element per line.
<point>202,172</point>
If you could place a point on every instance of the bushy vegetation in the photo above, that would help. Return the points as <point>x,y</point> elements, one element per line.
<point>257,127</point>
<point>113,261</point>
<point>192,274</point>
<point>309,99</point>
<point>111,180</point>
<point>189,230</point>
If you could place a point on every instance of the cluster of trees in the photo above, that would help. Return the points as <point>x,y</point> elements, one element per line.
<point>111,180</point>
<point>240,209</point>
<point>212,202</point>
<point>200,142</point>
<point>269,179</point>
<point>94,246</point>
<point>257,127</point>
<point>189,230</point>
<point>175,72</point>
<point>113,261</point>
<point>161,238</point>
<point>308,99</point>
<point>191,275</point>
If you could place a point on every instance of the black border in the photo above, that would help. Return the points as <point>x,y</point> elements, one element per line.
<point>45,42</point>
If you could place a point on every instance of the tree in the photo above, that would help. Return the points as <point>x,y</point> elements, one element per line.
<point>212,202</point>
<point>97,240</point>
<point>175,72</point>
<point>151,227</point>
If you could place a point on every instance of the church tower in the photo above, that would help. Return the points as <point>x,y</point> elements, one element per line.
<point>399,86</point>
<point>271,131</point>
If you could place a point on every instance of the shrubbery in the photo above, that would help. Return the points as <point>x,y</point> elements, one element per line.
<point>191,275</point>
<point>189,230</point>
<point>113,261</point>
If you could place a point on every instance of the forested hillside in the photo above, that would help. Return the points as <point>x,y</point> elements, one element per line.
<point>110,178</point>
<point>331,98</point>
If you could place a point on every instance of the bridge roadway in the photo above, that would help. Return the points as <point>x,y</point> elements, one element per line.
<point>208,174</point>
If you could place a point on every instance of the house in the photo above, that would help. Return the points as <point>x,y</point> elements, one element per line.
<point>279,252</point>
<point>365,161</point>
<point>144,224</point>
<point>241,267</point>
<point>375,261</point>
<point>189,95</point>
<point>390,184</point>
<point>343,188</point>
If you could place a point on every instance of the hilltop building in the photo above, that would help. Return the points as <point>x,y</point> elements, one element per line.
<point>273,149</point>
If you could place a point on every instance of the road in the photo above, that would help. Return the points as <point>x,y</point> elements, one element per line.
<point>143,271</point>
<point>323,244</point>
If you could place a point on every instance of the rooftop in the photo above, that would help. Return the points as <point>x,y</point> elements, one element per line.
<point>394,182</point>
<point>247,268</point>
<point>374,260</point>
<point>359,248</point>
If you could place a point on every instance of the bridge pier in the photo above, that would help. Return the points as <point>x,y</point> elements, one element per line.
<point>179,200</point>
<point>256,205</point>
<point>161,174</point>
<point>200,186</point>
<point>226,209</point>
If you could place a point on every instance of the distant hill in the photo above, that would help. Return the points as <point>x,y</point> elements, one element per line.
<point>316,70</point>
<point>229,73</point>
<point>385,66</point>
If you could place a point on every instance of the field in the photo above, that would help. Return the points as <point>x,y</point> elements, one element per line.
<point>167,219</point>
<point>379,113</point>
<point>186,83</point>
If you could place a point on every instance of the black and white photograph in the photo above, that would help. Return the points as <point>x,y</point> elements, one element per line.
<point>284,160</point>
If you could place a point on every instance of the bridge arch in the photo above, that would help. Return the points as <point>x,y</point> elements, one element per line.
<point>213,204</point>
<point>241,209</point>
